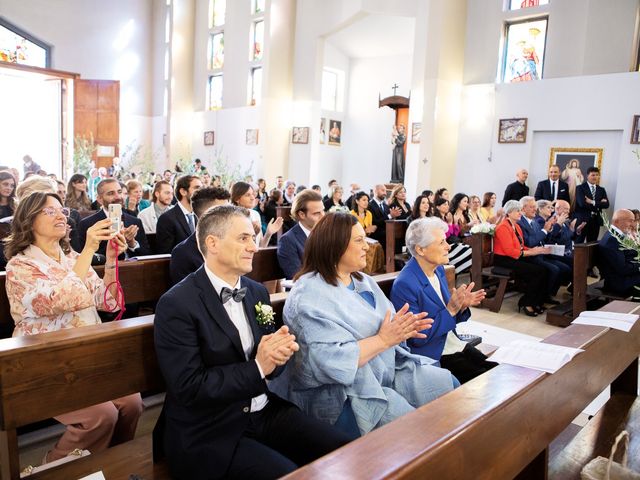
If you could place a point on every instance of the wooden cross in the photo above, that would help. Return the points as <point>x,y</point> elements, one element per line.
<point>394,88</point>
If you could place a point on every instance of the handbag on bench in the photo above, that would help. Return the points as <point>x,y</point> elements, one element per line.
<point>601,468</point>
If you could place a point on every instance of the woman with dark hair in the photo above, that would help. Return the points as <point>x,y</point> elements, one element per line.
<point>460,211</point>
<point>398,199</point>
<point>275,200</point>
<point>421,207</point>
<point>361,212</point>
<point>77,196</point>
<point>243,195</point>
<point>442,193</point>
<point>353,368</point>
<point>432,198</point>
<point>7,194</point>
<point>50,287</point>
<point>460,253</point>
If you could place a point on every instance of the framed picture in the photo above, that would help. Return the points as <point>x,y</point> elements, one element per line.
<point>251,136</point>
<point>300,135</point>
<point>573,164</point>
<point>416,132</point>
<point>335,132</point>
<point>323,130</point>
<point>209,137</point>
<point>635,131</point>
<point>512,130</point>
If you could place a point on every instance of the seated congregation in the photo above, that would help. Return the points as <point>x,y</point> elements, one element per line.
<point>253,395</point>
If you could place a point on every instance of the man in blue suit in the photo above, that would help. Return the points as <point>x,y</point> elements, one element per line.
<point>619,268</point>
<point>559,269</point>
<point>552,189</point>
<point>219,419</point>
<point>185,257</point>
<point>308,209</point>
<point>109,192</point>
<point>591,200</point>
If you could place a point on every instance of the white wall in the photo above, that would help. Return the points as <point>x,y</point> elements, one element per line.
<point>593,111</point>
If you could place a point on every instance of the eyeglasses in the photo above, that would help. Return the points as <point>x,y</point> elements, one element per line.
<point>53,211</point>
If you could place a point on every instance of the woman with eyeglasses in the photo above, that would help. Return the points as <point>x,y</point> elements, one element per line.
<point>50,287</point>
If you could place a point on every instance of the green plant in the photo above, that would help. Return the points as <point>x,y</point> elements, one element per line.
<point>229,173</point>
<point>83,150</point>
<point>626,242</point>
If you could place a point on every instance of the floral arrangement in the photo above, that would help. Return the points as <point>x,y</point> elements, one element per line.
<point>483,227</point>
<point>265,315</point>
<point>339,209</point>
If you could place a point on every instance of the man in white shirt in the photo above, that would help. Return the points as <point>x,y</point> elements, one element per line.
<point>215,351</point>
<point>177,223</point>
<point>553,189</point>
<point>162,196</point>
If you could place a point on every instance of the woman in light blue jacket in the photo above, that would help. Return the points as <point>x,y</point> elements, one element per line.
<point>353,362</point>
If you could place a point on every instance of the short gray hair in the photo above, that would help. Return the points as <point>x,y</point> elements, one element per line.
<point>420,233</point>
<point>511,206</point>
<point>543,203</point>
<point>525,200</point>
<point>216,221</point>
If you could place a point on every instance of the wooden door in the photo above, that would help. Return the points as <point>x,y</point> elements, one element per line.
<point>97,114</point>
<point>402,118</point>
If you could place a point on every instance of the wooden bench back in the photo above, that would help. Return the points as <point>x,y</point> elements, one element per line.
<point>395,231</point>
<point>481,255</point>
<point>584,258</point>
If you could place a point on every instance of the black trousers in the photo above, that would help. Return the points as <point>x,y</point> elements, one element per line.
<point>533,276</point>
<point>590,231</point>
<point>279,439</point>
<point>466,365</point>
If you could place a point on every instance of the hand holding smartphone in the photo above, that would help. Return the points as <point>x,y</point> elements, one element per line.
<point>115,215</point>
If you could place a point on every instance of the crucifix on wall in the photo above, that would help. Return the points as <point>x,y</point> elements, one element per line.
<point>398,136</point>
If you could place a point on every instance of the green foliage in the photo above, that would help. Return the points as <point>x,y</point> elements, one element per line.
<point>229,173</point>
<point>626,242</point>
<point>83,150</point>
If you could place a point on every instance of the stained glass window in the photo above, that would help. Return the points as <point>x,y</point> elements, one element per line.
<point>214,92</point>
<point>524,51</point>
<point>256,85</point>
<point>18,48</point>
<point>257,7</point>
<point>217,11</point>
<point>258,40</point>
<point>518,4</point>
<point>216,51</point>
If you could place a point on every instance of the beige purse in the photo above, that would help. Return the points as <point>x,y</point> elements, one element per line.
<point>601,468</point>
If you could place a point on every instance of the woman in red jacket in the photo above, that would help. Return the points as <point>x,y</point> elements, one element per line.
<point>509,251</point>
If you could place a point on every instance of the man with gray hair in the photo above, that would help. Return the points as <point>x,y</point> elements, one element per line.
<point>619,267</point>
<point>215,350</point>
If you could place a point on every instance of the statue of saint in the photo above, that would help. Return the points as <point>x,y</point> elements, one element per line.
<point>398,138</point>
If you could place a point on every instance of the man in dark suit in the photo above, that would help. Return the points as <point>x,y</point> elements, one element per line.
<point>619,268</point>
<point>176,224</point>
<point>559,270</point>
<point>308,209</point>
<point>381,212</point>
<point>591,200</point>
<point>517,189</point>
<point>564,231</point>
<point>219,419</point>
<point>109,192</point>
<point>552,189</point>
<point>185,257</point>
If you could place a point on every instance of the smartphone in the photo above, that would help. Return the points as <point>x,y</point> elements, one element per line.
<point>115,215</point>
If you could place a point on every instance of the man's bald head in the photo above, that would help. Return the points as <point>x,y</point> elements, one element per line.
<point>562,206</point>
<point>624,219</point>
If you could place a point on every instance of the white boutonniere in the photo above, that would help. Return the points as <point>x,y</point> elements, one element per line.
<point>265,315</point>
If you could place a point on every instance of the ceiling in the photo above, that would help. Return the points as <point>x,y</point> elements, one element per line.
<point>376,36</point>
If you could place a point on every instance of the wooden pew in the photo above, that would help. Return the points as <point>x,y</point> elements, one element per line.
<point>584,296</point>
<point>285,213</point>
<point>395,231</point>
<point>497,426</point>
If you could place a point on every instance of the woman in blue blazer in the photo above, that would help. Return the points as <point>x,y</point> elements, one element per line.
<point>423,285</point>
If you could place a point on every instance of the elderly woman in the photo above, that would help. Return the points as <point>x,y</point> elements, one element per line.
<point>422,284</point>
<point>289,192</point>
<point>50,288</point>
<point>353,354</point>
<point>334,198</point>
<point>510,251</point>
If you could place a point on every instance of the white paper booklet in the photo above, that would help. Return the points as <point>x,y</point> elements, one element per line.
<point>535,355</point>
<point>94,476</point>
<point>619,321</point>
<point>150,257</point>
<point>556,250</point>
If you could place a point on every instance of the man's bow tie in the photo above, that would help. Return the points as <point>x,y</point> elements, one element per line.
<point>237,294</point>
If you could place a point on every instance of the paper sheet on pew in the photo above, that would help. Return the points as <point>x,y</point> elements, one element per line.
<point>535,355</point>
<point>556,250</point>
<point>149,257</point>
<point>619,321</point>
<point>94,476</point>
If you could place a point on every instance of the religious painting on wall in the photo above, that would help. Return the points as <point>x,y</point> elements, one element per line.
<point>335,132</point>
<point>635,130</point>
<point>573,164</point>
<point>518,4</point>
<point>512,130</point>
<point>209,138</point>
<point>300,135</point>
<point>416,132</point>
<point>251,136</point>
<point>323,130</point>
<point>524,51</point>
